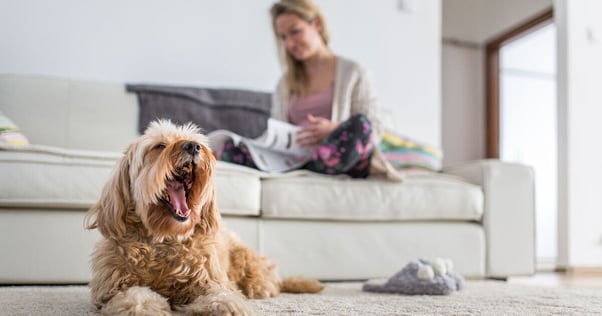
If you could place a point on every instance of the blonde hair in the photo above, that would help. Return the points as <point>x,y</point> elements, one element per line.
<point>295,77</point>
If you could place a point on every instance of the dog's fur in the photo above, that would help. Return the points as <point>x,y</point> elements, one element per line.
<point>154,258</point>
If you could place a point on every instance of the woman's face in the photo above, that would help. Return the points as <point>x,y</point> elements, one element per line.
<point>300,38</point>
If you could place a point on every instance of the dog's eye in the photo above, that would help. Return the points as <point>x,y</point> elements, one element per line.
<point>160,146</point>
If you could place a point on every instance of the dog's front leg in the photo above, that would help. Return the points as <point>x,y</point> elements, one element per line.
<point>219,300</point>
<point>137,301</point>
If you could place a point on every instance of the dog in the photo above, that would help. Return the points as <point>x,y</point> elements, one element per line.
<point>164,248</point>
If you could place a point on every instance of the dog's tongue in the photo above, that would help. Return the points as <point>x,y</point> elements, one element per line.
<point>178,198</point>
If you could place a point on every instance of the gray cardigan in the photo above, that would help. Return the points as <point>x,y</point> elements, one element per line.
<point>352,94</point>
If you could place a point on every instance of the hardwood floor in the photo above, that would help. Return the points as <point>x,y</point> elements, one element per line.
<point>562,279</point>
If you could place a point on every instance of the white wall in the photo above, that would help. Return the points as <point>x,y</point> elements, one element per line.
<point>226,43</point>
<point>402,50</point>
<point>463,113</point>
<point>472,22</point>
<point>480,20</point>
<point>579,108</point>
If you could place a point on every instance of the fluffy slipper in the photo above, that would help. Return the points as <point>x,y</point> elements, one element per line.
<point>421,277</point>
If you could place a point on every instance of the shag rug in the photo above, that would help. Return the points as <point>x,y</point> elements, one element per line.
<point>477,298</point>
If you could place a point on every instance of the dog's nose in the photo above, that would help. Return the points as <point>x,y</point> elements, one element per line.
<point>191,148</point>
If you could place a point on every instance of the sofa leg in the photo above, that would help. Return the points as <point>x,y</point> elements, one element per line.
<point>504,279</point>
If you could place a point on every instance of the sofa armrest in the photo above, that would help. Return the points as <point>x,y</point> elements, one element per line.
<point>509,213</point>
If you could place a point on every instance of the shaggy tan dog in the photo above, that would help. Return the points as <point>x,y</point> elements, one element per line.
<point>163,246</point>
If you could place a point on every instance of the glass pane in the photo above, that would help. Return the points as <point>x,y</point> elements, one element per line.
<point>528,124</point>
<point>535,52</point>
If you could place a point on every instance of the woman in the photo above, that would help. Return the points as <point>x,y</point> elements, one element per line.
<point>327,95</point>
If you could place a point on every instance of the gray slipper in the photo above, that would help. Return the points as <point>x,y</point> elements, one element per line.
<point>421,277</point>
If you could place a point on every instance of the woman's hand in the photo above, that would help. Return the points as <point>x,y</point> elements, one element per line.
<point>313,133</point>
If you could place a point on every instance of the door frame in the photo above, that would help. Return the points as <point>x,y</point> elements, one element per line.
<point>492,76</point>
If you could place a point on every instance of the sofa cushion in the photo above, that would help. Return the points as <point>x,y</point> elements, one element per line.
<point>425,196</point>
<point>238,189</point>
<point>74,114</point>
<point>50,177</point>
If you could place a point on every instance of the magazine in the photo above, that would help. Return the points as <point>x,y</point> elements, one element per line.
<point>274,151</point>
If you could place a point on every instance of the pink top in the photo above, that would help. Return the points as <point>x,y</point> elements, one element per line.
<point>318,104</point>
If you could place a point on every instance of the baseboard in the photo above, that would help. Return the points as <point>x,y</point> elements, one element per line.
<point>552,266</point>
<point>546,266</point>
<point>584,271</point>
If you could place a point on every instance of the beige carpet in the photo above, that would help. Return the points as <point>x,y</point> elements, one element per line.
<point>478,298</point>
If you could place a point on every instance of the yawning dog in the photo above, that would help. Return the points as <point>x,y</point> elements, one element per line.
<point>163,247</point>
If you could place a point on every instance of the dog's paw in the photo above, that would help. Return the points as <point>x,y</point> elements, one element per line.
<point>229,307</point>
<point>218,304</point>
<point>137,301</point>
<point>260,289</point>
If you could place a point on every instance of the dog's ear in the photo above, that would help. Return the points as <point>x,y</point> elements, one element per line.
<point>210,217</point>
<point>109,213</point>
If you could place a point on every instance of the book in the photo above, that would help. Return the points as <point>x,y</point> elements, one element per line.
<point>276,150</point>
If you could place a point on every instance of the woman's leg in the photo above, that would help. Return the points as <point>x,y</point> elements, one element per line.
<point>235,154</point>
<point>347,150</point>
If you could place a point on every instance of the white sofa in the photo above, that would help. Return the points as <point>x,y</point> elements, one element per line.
<point>479,214</point>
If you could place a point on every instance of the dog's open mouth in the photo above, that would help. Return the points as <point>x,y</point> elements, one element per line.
<point>176,196</point>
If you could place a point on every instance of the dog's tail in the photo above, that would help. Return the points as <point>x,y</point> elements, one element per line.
<point>300,285</point>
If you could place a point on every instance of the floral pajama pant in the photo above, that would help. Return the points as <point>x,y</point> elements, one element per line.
<point>347,150</point>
